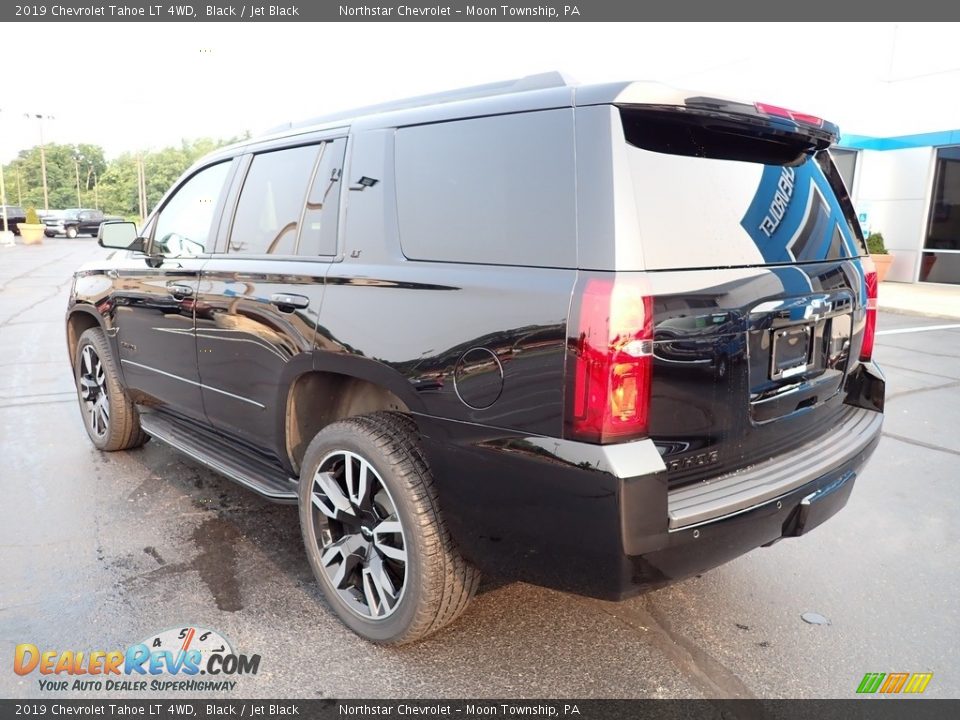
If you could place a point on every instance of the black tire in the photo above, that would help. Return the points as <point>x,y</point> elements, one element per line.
<point>71,232</point>
<point>95,376</point>
<point>437,583</point>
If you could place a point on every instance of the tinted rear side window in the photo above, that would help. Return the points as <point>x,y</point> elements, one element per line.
<point>272,199</point>
<point>496,190</point>
<point>716,197</point>
<point>318,234</point>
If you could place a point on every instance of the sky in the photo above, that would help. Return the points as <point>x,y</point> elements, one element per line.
<point>142,86</point>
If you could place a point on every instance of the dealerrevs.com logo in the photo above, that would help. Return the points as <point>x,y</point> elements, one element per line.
<point>185,659</point>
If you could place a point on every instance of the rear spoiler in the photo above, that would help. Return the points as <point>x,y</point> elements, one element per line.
<point>823,131</point>
<point>780,121</point>
<point>731,130</point>
<point>769,120</point>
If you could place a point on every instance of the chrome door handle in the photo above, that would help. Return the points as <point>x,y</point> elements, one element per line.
<point>180,291</point>
<point>288,300</point>
<point>113,274</point>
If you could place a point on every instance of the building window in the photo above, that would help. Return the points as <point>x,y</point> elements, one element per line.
<point>846,162</point>
<point>941,257</point>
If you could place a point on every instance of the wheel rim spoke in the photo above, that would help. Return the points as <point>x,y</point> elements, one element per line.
<point>358,534</point>
<point>378,588</point>
<point>358,484</point>
<point>88,386</point>
<point>343,558</point>
<point>104,411</point>
<point>329,498</point>
<point>389,528</point>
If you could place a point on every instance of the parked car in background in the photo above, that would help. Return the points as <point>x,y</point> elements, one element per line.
<point>15,216</point>
<point>75,221</point>
<point>598,339</point>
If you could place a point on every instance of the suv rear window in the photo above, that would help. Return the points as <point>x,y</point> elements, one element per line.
<point>497,190</point>
<point>714,194</point>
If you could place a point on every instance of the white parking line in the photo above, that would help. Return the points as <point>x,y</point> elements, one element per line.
<point>922,328</point>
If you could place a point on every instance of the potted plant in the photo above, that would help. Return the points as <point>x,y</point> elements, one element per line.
<point>882,260</point>
<point>32,230</point>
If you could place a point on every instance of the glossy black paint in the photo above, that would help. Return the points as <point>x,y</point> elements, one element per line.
<point>519,511</point>
<point>513,508</point>
<point>712,387</point>
<point>477,355</point>
<point>152,312</point>
<point>421,332</point>
<point>251,347</point>
<point>683,554</point>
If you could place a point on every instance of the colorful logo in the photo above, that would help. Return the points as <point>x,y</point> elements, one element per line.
<point>891,683</point>
<point>181,652</point>
<point>795,216</point>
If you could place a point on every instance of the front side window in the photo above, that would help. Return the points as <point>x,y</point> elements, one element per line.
<point>184,224</point>
<point>271,202</point>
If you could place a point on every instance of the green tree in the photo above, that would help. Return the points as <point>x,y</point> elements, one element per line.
<point>115,180</point>
<point>63,162</point>
<point>118,187</point>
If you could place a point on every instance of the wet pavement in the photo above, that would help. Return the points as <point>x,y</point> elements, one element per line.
<point>99,551</point>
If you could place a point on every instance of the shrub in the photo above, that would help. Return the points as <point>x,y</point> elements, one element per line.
<point>32,217</point>
<point>875,244</point>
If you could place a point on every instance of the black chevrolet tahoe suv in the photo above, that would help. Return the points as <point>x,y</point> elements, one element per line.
<point>597,338</point>
<point>73,222</point>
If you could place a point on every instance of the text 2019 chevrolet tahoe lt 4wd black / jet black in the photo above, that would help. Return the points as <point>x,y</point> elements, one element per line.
<point>597,338</point>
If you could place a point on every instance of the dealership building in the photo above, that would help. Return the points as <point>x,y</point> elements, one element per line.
<point>891,93</point>
<point>907,187</point>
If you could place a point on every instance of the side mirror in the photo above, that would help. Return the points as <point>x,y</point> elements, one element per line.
<point>119,235</point>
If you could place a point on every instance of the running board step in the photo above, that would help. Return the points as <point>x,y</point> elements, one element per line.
<point>218,454</point>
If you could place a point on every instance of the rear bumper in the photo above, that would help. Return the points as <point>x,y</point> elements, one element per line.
<point>572,517</point>
<point>678,554</point>
<point>736,492</point>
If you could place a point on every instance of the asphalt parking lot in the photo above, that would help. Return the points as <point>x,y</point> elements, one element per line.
<point>99,551</point>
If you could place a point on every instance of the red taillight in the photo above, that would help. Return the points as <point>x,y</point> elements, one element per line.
<point>777,111</point>
<point>870,327</point>
<point>609,369</point>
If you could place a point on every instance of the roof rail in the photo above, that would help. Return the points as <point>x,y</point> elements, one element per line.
<point>541,81</point>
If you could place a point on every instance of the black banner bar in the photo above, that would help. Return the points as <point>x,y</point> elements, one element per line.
<point>874,708</point>
<point>477,11</point>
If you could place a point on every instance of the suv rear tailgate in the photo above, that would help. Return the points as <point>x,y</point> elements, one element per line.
<point>752,254</point>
